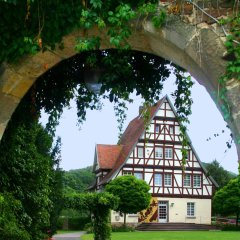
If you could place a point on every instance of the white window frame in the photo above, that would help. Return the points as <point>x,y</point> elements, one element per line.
<point>126,173</point>
<point>158,179</point>
<point>197,181</point>
<point>158,154</point>
<point>191,209</point>
<point>138,175</point>
<point>187,180</point>
<point>168,153</point>
<point>168,180</point>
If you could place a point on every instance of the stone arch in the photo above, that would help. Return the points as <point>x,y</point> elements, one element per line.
<point>199,49</point>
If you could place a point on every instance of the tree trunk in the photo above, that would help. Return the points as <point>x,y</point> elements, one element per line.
<point>124,219</point>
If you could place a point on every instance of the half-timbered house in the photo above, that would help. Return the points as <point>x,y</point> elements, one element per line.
<point>154,155</point>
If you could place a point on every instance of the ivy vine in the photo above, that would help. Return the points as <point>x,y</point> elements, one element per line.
<point>233,62</point>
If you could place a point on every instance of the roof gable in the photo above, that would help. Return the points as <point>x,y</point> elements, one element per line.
<point>107,155</point>
<point>130,138</point>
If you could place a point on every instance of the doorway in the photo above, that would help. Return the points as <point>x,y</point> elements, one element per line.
<point>162,211</point>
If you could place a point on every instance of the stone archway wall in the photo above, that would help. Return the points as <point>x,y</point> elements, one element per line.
<point>193,41</point>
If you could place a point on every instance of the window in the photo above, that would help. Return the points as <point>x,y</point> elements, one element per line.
<point>187,180</point>
<point>138,175</point>
<point>127,173</point>
<point>157,179</point>
<point>140,152</point>
<point>197,181</point>
<point>168,180</point>
<point>157,128</point>
<point>190,209</point>
<point>158,152</point>
<point>168,153</point>
<point>171,129</point>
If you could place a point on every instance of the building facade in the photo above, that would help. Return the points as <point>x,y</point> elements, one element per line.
<point>179,193</point>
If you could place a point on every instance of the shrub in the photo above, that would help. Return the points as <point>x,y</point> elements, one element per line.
<point>78,223</point>
<point>229,227</point>
<point>123,228</point>
<point>88,227</point>
<point>74,223</point>
<point>12,232</point>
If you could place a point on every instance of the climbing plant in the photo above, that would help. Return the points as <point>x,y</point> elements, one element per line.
<point>233,56</point>
<point>99,205</point>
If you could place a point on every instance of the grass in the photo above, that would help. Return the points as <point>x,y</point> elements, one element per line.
<point>66,231</point>
<point>194,235</point>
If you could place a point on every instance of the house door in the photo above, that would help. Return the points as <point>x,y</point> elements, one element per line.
<point>162,211</point>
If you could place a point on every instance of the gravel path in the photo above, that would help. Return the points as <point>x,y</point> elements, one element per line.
<point>68,236</point>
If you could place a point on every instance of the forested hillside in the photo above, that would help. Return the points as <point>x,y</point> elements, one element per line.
<point>219,174</point>
<point>78,180</point>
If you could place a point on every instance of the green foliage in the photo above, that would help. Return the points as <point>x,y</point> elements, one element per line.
<point>99,205</point>
<point>78,180</point>
<point>57,87</point>
<point>226,201</point>
<point>133,194</point>
<point>77,223</point>
<point>233,57</point>
<point>159,20</point>
<point>123,228</point>
<point>219,174</point>
<point>183,103</point>
<point>229,227</point>
<point>27,165</point>
<point>10,227</point>
<point>35,22</point>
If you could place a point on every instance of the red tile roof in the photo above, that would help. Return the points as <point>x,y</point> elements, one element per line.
<point>129,139</point>
<point>107,155</point>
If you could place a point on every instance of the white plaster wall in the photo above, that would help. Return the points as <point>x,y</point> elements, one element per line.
<point>178,212</point>
<point>130,218</point>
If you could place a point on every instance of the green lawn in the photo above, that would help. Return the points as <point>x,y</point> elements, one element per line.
<point>66,231</point>
<point>212,235</point>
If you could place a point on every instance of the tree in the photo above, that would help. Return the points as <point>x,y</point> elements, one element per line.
<point>78,180</point>
<point>227,200</point>
<point>219,174</point>
<point>99,205</point>
<point>28,172</point>
<point>133,194</point>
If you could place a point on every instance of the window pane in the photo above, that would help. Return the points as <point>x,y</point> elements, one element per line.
<point>157,128</point>
<point>127,173</point>
<point>168,180</point>
<point>197,181</point>
<point>158,152</point>
<point>140,151</point>
<point>187,180</point>
<point>138,175</point>
<point>168,153</point>
<point>191,209</point>
<point>171,129</point>
<point>158,179</point>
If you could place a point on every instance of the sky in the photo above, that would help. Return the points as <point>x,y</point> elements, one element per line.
<point>100,127</point>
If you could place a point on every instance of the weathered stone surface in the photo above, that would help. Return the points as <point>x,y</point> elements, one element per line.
<point>199,49</point>
<point>233,95</point>
<point>8,104</point>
